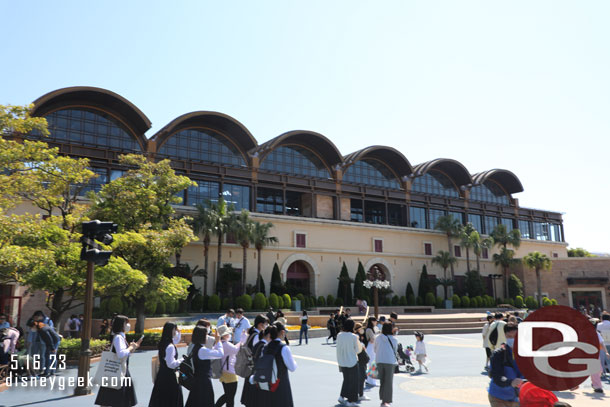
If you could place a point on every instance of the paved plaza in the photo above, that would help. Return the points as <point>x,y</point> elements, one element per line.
<point>455,379</point>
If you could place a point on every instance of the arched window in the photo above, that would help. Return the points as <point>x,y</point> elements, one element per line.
<point>371,172</point>
<point>202,145</point>
<point>90,127</point>
<point>295,160</point>
<point>490,192</point>
<point>435,182</point>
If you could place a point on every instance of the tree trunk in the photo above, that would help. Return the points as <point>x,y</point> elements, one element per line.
<point>140,314</point>
<point>468,259</point>
<point>376,301</point>
<point>219,261</point>
<point>505,278</point>
<point>451,254</point>
<point>445,286</point>
<point>57,310</point>
<point>206,248</point>
<point>258,272</point>
<point>478,264</point>
<point>244,268</point>
<point>539,284</point>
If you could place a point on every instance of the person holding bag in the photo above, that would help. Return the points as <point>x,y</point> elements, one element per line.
<point>125,396</point>
<point>167,392</point>
<point>347,359</point>
<point>363,360</point>
<point>385,357</point>
<point>202,394</point>
<point>228,377</point>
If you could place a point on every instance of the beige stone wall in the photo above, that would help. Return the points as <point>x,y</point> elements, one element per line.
<point>346,207</point>
<point>324,207</point>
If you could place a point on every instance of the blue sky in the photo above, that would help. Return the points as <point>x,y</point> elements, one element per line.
<point>519,85</point>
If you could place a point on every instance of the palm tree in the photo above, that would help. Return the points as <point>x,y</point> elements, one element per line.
<point>538,261</point>
<point>445,260</point>
<point>219,213</point>
<point>452,227</point>
<point>260,239</point>
<point>204,225</point>
<point>505,259</point>
<point>466,242</point>
<point>240,226</point>
<point>478,245</point>
<point>503,238</point>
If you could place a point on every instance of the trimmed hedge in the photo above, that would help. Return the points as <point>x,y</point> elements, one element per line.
<point>395,300</point>
<point>71,347</point>
<point>419,300</point>
<point>457,303</point>
<point>465,302</point>
<point>287,301</point>
<point>160,308</point>
<point>403,301</point>
<point>197,302</point>
<point>214,303</point>
<point>259,301</point>
<point>430,299</point>
<point>440,302</point>
<point>530,302</point>
<point>115,304</point>
<point>150,338</point>
<point>330,300</point>
<point>411,299</point>
<point>244,301</point>
<point>338,302</point>
<point>519,303</point>
<point>321,301</point>
<point>280,302</point>
<point>273,301</point>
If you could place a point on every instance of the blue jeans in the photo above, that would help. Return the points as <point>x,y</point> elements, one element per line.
<point>303,329</point>
<point>50,364</point>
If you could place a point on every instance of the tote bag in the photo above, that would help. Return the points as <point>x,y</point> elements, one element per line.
<point>111,370</point>
<point>154,367</point>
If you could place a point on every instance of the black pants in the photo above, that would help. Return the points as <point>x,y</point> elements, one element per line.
<point>349,390</point>
<point>361,378</point>
<point>333,334</point>
<point>229,396</point>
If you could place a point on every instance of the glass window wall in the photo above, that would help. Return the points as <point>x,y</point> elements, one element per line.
<point>435,214</point>
<point>508,223</point>
<point>417,217</point>
<point>525,229</point>
<point>270,201</point>
<point>356,214</point>
<point>490,223</point>
<point>435,183</point>
<point>395,215</point>
<point>371,172</point>
<point>237,195</point>
<point>202,145</point>
<point>295,160</point>
<point>203,192</point>
<point>489,192</point>
<point>476,222</point>
<point>374,212</point>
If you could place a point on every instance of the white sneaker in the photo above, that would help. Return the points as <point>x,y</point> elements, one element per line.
<point>341,400</point>
<point>351,404</point>
<point>364,397</point>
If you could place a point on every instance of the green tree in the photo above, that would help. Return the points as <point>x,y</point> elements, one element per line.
<point>502,237</point>
<point>505,259</point>
<point>538,261</point>
<point>452,227</point>
<point>203,225</point>
<point>261,239</point>
<point>241,227</point>
<point>219,211</point>
<point>579,252</point>
<point>360,291</point>
<point>424,283</point>
<point>478,244</point>
<point>515,286</point>
<point>444,260</point>
<point>260,285</point>
<point>277,286</point>
<point>409,291</point>
<point>466,242</point>
<point>474,283</point>
<point>345,289</point>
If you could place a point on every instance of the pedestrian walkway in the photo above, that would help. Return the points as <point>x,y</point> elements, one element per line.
<point>455,379</point>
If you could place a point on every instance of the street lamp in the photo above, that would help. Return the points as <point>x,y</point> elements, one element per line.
<point>494,277</point>
<point>376,280</point>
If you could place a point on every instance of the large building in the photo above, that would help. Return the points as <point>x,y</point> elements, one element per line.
<point>371,205</point>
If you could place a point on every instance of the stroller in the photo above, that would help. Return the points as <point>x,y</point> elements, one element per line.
<point>404,358</point>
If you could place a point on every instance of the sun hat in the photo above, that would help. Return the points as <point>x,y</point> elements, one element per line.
<point>224,330</point>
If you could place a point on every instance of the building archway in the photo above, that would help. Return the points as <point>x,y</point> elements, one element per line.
<point>301,271</point>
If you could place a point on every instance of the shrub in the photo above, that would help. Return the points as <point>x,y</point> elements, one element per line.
<point>321,301</point>
<point>474,283</point>
<point>206,300</point>
<point>115,304</point>
<point>301,297</point>
<point>273,301</point>
<point>456,301</point>
<point>395,300</point>
<point>546,302</point>
<point>419,301</point>
<point>305,303</point>
<point>244,301</point>
<point>197,302</point>
<point>530,302</point>
<point>411,299</point>
<point>330,300</point>
<point>519,301</point>
<point>227,303</point>
<point>259,301</point>
<point>71,347</point>
<point>489,301</point>
<point>150,338</point>
<point>338,302</point>
<point>554,302</point>
<point>313,301</point>
<point>287,301</point>
<point>214,303</point>
<point>440,302</point>
<point>171,307</point>
<point>160,309</point>
<point>280,302</point>
<point>430,299</point>
<point>403,301</point>
<point>150,307</point>
<point>465,301</point>
<point>515,286</point>
<point>104,306</point>
<point>277,286</point>
<point>511,302</point>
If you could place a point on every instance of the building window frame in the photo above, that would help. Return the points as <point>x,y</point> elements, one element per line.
<point>376,241</point>
<point>457,251</point>
<point>300,239</point>
<point>425,246</point>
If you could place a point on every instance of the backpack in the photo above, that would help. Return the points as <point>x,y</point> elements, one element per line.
<point>217,366</point>
<point>186,371</point>
<point>265,371</point>
<point>244,360</point>
<point>493,335</point>
<point>72,325</point>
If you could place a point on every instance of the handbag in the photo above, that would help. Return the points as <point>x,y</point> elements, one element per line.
<point>372,371</point>
<point>154,367</point>
<point>111,370</point>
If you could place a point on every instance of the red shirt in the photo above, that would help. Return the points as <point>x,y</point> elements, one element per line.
<point>532,396</point>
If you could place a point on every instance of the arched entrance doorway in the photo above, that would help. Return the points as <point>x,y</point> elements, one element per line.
<point>298,278</point>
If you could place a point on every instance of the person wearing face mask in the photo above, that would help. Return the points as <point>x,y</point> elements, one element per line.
<point>363,360</point>
<point>248,394</point>
<point>505,375</point>
<point>167,392</point>
<point>209,343</point>
<point>202,395</point>
<point>126,395</point>
<point>228,377</point>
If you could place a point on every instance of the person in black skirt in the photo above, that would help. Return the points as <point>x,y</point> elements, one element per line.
<point>126,395</point>
<point>248,394</point>
<point>167,392</point>
<point>202,395</point>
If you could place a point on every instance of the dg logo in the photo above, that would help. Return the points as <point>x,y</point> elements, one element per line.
<point>557,348</point>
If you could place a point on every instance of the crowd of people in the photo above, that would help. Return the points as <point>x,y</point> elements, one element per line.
<point>507,387</point>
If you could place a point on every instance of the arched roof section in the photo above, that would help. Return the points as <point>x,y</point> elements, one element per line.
<point>393,158</point>
<point>97,98</point>
<point>505,178</point>
<point>454,169</point>
<point>309,139</point>
<point>220,122</point>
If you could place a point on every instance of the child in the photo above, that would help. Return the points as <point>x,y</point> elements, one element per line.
<point>420,350</point>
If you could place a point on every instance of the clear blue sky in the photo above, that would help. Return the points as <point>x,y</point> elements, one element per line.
<point>520,85</point>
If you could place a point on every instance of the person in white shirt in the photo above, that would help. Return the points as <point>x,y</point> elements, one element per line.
<point>202,394</point>
<point>240,324</point>
<point>226,319</point>
<point>604,330</point>
<point>249,391</point>
<point>347,358</point>
<point>486,340</point>
<point>386,347</point>
<point>167,391</point>
<point>369,333</point>
<point>420,350</point>
<point>126,395</point>
<point>495,333</point>
<point>228,377</point>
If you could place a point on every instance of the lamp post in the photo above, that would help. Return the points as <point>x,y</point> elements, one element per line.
<point>493,283</point>
<point>376,280</point>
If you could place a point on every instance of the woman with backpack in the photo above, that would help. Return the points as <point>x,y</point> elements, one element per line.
<point>248,394</point>
<point>202,394</point>
<point>166,391</point>
<point>228,377</point>
<point>385,356</point>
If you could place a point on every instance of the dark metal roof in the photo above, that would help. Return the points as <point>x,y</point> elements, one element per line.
<point>96,98</point>
<point>310,139</point>
<point>507,179</point>
<point>393,158</point>
<point>454,169</point>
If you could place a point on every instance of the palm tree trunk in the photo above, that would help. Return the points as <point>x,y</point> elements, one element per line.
<point>258,272</point>
<point>445,288</point>
<point>219,261</point>
<point>505,278</point>
<point>206,249</point>
<point>478,264</point>
<point>451,254</point>
<point>244,268</point>
<point>539,283</point>
<point>468,259</point>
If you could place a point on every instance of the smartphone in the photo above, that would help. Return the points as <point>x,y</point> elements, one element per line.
<point>141,337</point>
